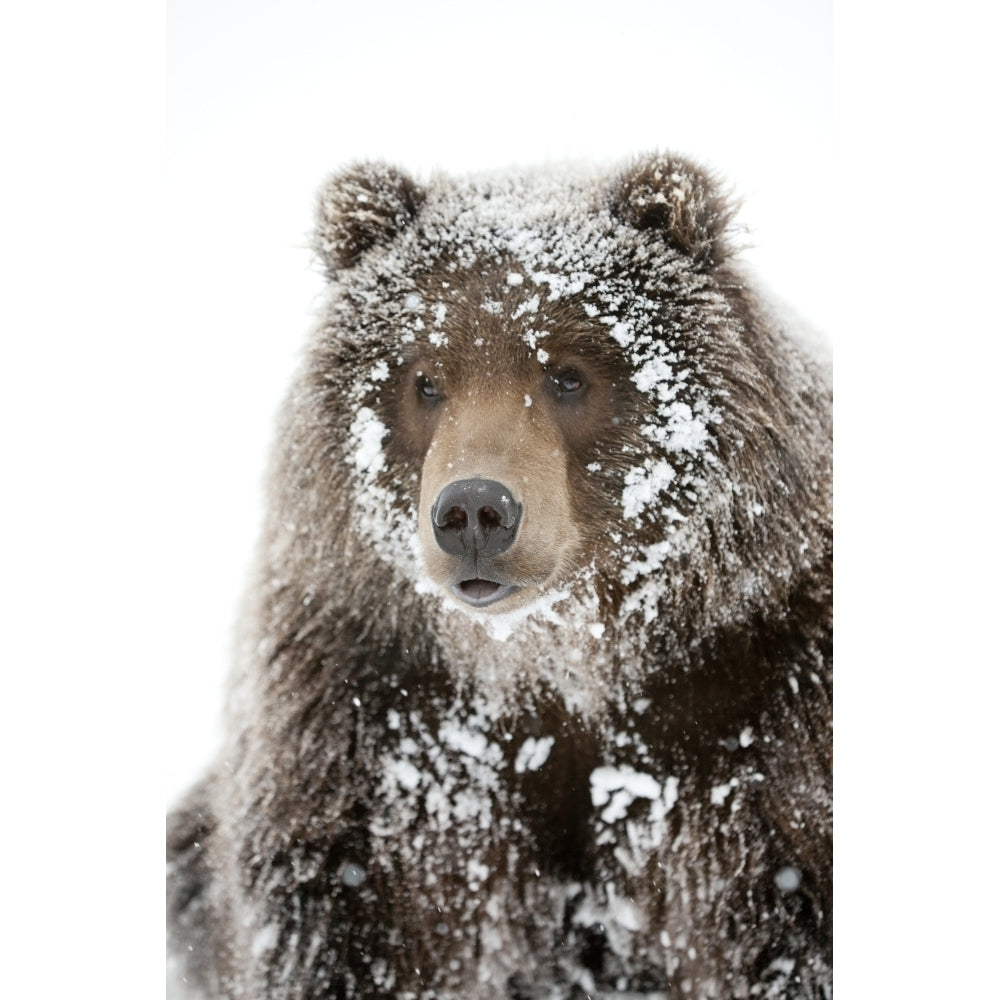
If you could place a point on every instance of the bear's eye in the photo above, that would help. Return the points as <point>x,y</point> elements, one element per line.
<point>426,389</point>
<point>566,382</point>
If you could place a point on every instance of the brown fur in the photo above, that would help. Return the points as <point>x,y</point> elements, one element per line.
<point>614,781</point>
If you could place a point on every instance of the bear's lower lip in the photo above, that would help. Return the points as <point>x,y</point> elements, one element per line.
<point>480,592</point>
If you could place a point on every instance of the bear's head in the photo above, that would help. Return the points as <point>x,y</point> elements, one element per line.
<point>557,384</point>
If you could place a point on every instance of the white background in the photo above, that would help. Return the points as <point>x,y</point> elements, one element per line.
<point>156,291</point>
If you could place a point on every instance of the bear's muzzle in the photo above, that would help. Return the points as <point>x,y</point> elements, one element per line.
<point>476,520</point>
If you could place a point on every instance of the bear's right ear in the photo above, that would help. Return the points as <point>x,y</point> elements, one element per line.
<point>360,207</point>
<point>680,201</point>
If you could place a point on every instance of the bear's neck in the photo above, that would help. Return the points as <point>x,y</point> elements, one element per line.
<point>708,683</point>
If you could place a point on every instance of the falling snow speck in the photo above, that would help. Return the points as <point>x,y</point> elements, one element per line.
<point>788,878</point>
<point>353,875</point>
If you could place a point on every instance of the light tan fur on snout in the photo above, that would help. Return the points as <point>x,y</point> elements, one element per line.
<point>501,437</point>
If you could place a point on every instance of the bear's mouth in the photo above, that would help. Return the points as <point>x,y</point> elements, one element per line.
<point>479,592</point>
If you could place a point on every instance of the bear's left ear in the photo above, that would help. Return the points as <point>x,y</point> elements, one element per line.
<point>681,201</point>
<point>362,206</point>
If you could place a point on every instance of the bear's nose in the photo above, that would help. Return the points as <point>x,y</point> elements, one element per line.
<point>476,514</point>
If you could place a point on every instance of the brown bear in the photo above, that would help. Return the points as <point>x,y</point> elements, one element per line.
<point>533,694</point>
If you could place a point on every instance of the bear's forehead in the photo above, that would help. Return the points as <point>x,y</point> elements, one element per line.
<point>522,201</point>
<point>558,234</point>
<point>515,261</point>
<point>501,310</point>
<point>534,268</point>
<point>552,231</point>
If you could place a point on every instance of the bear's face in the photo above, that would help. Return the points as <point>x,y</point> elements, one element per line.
<point>545,382</point>
<point>504,416</point>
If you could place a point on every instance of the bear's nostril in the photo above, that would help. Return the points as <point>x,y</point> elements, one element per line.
<point>489,518</point>
<point>454,519</point>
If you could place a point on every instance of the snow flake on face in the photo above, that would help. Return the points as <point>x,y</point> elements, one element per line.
<point>379,518</point>
<point>656,376</point>
<point>621,333</point>
<point>504,625</point>
<point>647,561</point>
<point>683,430</point>
<point>531,338</point>
<point>644,484</point>
<point>367,431</point>
<point>527,306</point>
<point>559,285</point>
<point>680,431</point>
<point>437,336</point>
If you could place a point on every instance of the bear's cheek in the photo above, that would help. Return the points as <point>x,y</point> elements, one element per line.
<point>496,519</point>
